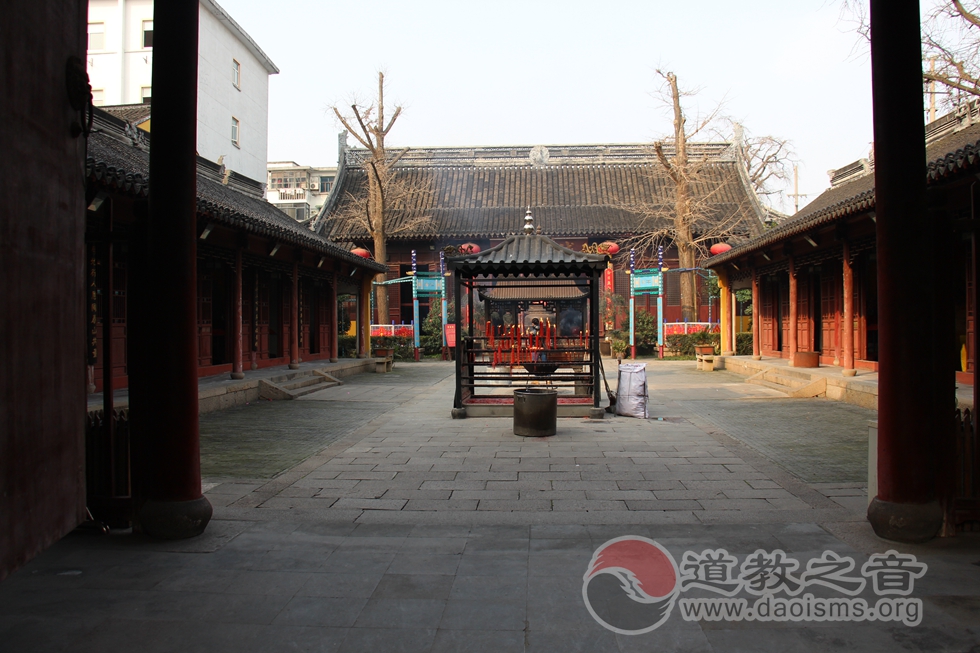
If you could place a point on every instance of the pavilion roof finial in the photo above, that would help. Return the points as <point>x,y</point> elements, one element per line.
<point>528,222</point>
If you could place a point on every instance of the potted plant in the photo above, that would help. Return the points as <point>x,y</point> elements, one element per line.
<point>619,348</point>
<point>383,346</point>
<point>704,350</point>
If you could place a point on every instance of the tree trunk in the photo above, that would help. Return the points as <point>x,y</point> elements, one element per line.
<point>376,227</point>
<point>685,255</point>
<point>683,236</point>
<point>381,292</point>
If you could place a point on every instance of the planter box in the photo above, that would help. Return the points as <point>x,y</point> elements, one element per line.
<point>806,359</point>
<point>704,350</point>
<point>382,352</point>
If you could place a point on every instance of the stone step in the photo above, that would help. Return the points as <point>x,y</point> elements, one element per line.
<point>294,385</point>
<point>769,384</point>
<point>301,382</point>
<point>290,376</point>
<point>792,381</point>
<point>323,384</point>
<point>792,372</point>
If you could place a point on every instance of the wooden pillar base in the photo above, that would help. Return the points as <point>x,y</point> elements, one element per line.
<point>905,522</point>
<point>175,520</point>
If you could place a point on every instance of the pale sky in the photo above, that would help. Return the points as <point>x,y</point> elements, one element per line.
<point>557,72</point>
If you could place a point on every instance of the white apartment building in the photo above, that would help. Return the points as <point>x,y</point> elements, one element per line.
<point>299,191</point>
<point>232,78</point>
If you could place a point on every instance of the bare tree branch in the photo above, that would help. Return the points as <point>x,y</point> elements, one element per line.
<point>385,187</point>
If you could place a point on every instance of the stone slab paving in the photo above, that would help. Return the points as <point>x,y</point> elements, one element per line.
<point>409,531</point>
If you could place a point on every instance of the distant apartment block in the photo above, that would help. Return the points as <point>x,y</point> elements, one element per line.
<point>299,191</point>
<point>233,77</point>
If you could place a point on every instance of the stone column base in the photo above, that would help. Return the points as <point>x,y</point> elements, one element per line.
<point>175,520</point>
<point>905,522</point>
<point>596,413</point>
<point>238,375</point>
<point>459,413</point>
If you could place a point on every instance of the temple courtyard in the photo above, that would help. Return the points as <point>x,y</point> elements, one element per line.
<point>363,518</point>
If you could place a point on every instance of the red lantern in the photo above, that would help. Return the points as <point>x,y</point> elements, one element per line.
<point>719,248</point>
<point>609,247</point>
<point>469,248</point>
<point>360,251</point>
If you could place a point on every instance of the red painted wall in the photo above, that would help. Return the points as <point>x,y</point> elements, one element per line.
<point>42,281</point>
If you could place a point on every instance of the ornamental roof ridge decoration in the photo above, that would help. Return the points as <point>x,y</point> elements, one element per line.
<point>558,155</point>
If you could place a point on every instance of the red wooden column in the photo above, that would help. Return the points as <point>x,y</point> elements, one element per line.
<point>334,328</point>
<point>726,318</point>
<point>294,320</point>
<point>163,377</point>
<point>236,364</point>
<point>848,327</point>
<point>793,317</point>
<point>756,319</point>
<point>915,396</point>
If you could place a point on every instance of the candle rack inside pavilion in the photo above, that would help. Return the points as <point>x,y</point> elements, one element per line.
<point>527,316</point>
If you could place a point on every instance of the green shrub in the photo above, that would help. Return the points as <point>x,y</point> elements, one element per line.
<point>743,344</point>
<point>683,344</point>
<point>347,346</point>
<point>431,338</point>
<point>646,333</point>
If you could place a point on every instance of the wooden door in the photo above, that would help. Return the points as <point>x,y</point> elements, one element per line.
<point>830,304</point>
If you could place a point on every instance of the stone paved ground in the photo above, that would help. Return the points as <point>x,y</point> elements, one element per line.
<point>262,439</point>
<point>409,531</point>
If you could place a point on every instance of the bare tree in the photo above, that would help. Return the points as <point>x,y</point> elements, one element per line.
<point>692,221</point>
<point>768,161</point>
<point>386,190</point>
<point>951,45</point>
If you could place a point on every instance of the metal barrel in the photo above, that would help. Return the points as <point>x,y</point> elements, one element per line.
<point>535,412</point>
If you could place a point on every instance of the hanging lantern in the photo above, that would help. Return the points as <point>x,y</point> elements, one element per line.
<point>360,251</point>
<point>719,248</point>
<point>469,248</point>
<point>609,247</point>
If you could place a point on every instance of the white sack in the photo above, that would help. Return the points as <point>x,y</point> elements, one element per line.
<point>631,393</point>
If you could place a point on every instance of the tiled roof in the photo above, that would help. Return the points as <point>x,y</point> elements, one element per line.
<point>115,163</point>
<point>515,289</point>
<point>958,151</point>
<point>132,113</point>
<point>594,191</point>
<point>528,254</point>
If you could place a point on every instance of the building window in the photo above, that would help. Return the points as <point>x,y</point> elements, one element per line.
<point>326,183</point>
<point>147,33</point>
<point>235,125</point>
<point>236,74</point>
<point>98,97</point>
<point>146,94</point>
<point>96,36</point>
